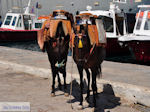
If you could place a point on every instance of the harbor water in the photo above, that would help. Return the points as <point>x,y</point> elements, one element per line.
<point>33,46</point>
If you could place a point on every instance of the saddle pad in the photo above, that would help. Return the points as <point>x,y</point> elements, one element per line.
<point>97,34</point>
<point>54,24</point>
<point>93,34</point>
<point>49,29</point>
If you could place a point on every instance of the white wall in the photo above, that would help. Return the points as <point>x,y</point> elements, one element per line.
<point>49,5</point>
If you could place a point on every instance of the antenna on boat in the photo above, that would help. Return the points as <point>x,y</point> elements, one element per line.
<point>1,8</point>
<point>114,7</point>
<point>88,8</point>
<point>60,7</point>
<point>7,4</point>
<point>21,7</point>
<point>27,10</point>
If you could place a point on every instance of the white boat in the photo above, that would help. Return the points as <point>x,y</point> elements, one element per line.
<point>20,26</point>
<point>115,25</point>
<point>139,41</point>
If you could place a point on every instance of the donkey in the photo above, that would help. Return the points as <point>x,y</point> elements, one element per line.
<point>87,56</point>
<point>57,49</point>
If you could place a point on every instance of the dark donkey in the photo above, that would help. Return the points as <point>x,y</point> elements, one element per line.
<point>87,54</point>
<point>57,46</point>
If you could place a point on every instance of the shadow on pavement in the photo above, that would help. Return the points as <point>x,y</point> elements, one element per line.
<point>105,100</point>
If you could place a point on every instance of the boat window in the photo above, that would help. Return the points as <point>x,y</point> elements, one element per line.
<point>19,22</point>
<point>119,25</point>
<point>108,24</point>
<point>8,20</point>
<point>139,23</point>
<point>26,19</point>
<point>38,25</point>
<point>147,25</point>
<point>14,21</point>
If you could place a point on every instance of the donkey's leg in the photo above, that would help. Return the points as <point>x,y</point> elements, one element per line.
<point>59,82</point>
<point>88,77</point>
<point>53,86</point>
<point>80,69</point>
<point>65,86</point>
<point>94,87</point>
<point>54,73</point>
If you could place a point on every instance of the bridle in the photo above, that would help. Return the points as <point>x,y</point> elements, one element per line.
<point>87,56</point>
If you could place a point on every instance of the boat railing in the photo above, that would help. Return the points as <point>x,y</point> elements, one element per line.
<point>143,6</point>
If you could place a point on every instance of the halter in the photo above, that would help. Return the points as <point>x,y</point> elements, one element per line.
<point>85,60</point>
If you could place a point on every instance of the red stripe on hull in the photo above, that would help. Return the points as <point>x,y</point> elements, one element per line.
<point>140,50</point>
<point>17,35</point>
<point>6,29</point>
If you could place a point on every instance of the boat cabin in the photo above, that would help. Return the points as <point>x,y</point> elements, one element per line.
<point>142,25</point>
<point>114,21</point>
<point>19,21</point>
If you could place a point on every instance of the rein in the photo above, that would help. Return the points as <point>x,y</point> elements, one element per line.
<point>85,60</point>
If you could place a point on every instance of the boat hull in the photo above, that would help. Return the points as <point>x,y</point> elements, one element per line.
<point>6,36</point>
<point>114,49</point>
<point>140,50</point>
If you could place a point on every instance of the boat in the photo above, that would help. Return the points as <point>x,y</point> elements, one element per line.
<point>19,26</point>
<point>139,41</point>
<point>115,25</point>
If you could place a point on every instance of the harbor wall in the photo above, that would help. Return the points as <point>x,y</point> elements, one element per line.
<point>47,6</point>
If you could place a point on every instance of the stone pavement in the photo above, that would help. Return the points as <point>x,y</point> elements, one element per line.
<point>129,80</point>
<point>113,71</point>
<point>22,87</point>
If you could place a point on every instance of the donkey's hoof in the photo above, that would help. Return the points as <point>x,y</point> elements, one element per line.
<point>52,94</point>
<point>95,110</point>
<point>80,107</point>
<point>60,87</point>
<point>87,98</point>
<point>66,94</point>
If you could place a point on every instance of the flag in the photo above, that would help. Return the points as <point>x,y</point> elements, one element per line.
<point>131,1</point>
<point>37,5</point>
<point>138,0</point>
<point>32,10</point>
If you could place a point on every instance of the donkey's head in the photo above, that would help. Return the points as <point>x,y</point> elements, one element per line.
<point>86,40</point>
<point>60,30</point>
<point>82,43</point>
<point>58,46</point>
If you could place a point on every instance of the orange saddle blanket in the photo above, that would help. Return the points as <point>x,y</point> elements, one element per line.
<point>49,29</point>
<point>96,34</point>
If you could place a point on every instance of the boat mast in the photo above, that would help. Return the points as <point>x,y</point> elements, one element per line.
<point>0,8</point>
<point>21,7</point>
<point>7,5</point>
<point>27,10</point>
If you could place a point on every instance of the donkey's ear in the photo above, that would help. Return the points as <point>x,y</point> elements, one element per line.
<point>75,28</point>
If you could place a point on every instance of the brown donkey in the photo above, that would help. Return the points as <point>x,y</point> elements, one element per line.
<point>88,51</point>
<point>55,39</point>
